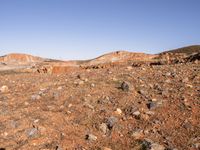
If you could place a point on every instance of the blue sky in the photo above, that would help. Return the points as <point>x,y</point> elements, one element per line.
<point>82,29</point>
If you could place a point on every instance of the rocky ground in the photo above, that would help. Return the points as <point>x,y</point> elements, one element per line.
<point>120,108</point>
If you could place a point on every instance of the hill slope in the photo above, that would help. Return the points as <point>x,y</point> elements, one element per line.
<point>187,50</point>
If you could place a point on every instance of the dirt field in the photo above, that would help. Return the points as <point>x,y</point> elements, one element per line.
<point>119,108</point>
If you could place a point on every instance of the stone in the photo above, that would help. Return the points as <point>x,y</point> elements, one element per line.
<point>125,86</point>
<point>36,121</point>
<point>111,121</point>
<point>129,67</point>
<point>129,110</point>
<point>14,124</point>
<point>136,114</point>
<point>168,74</point>
<point>86,104</point>
<point>106,148</point>
<point>185,80</point>
<point>151,105</point>
<point>155,146</point>
<point>154,100</point>
<point>80,82</point>
<point>148,144</point>
<point>91,137</point>
<point>197,145</point>
<point>58,147</point>
<point>137,134</point>
<point>92,85</point>
<point>118,111</point>
<point>103,127</point>
<point>35,97</point>
<point>32,132</point>
<point>4,89</point>
<point>142,92</point>
<point>26,103</point>
<point>60,88</point>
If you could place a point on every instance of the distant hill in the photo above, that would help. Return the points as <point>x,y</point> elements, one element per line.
<point>187,50</point>
<point>120,56</point>
<point>16,58</point>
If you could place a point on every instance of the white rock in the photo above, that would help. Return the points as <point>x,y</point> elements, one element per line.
<point>136,113</point>
<point>103,128</point>
<point>118,111</point>
<point>4,89</point>
<point>35,97</point>
<point>91,137</point>
<point>155,146</point>
<point>106,148</point>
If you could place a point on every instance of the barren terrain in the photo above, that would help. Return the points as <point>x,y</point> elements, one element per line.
<point>119,101</point>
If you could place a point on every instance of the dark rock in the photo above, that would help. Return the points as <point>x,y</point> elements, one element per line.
<point>111,121</point>
<point>148,144</point>
<point>125,86</point>
<point>151,105</point>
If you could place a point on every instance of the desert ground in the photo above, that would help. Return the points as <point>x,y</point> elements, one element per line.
<point>118,101</point>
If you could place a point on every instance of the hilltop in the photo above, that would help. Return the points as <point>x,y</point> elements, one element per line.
<point>186,50</point>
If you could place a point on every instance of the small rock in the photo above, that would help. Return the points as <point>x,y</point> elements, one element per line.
<point>4,89</point>
<point>56,95</point>
<point>70,105</point>
<point>153,99</point>
<point>137,134</point>
<point>136,114</point>
<point>185,80</point>
<point>129,67</point>
<point>5,133</point>
<point>26,103</point>
<point>86,80</point>
<point>32,132</point>
<point>58,148</point>
<point>35,97</point>
<point>92,85</point>
<point>150,113</point>
<point>129,110</point>
<point>168,81</point>
<point>14,124</point>
<point>142,92</point>
<point>114,79</point>
<point>86,104</point>
<point>106,148</point>
<point>36,121</point>
<point>125,86</point>
<point>148,144</point>
<point>118,111</point>
<point>168,74</point>
<point>60,88</point>
<point>145,116</point>
<point>152,105</point>
<point>197,145</point>
<point>189,85</point>
<point>80,82</point>
<point>111,121</point>
<point>91,137</point>
<point>103,128</point>
<point>155,146</point>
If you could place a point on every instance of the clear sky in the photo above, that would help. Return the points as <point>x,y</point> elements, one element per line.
<point>82,29</point>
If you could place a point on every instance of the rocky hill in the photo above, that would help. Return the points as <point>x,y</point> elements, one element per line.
<point>186,50</point>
